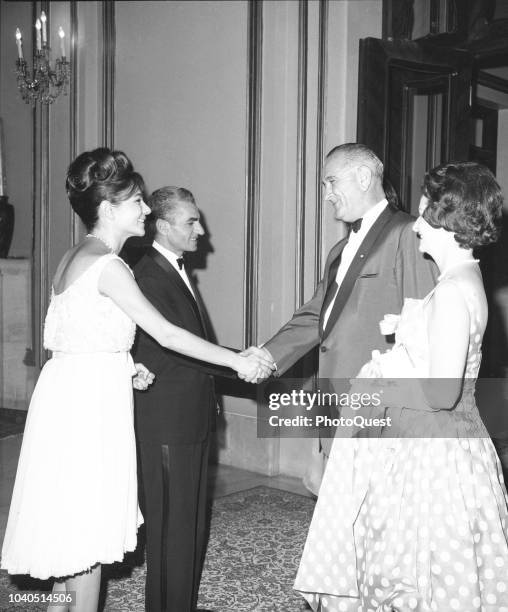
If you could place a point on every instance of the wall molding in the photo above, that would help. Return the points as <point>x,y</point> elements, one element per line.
<point>301,150</point>
<point>253,171</point>
<point>75,222</point>
<point>33,352</point>
<point>41,216</point>
<point>320,135</point>
<point>108,73</point>
<point>45,225</point>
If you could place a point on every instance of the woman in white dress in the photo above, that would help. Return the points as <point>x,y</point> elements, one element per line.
<point>421,523</point>
<point>74,504</point>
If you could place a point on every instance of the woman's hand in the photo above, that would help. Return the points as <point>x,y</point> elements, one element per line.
<point>372,369</point>
<point>143,379</point>
<point>254,364</point>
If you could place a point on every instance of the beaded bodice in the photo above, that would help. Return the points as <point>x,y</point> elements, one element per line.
<point>82,320</point>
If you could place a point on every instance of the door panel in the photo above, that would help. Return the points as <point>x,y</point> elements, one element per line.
<point>414,105</point>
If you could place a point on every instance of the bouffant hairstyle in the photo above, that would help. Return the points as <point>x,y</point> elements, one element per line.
<point>100,175</point>
<point>464,198</point>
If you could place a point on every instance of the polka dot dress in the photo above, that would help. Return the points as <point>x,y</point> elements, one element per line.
<point>411,524</point>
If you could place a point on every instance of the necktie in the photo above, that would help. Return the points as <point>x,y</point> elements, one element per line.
<point>180,262</point>
<point>356,225</point>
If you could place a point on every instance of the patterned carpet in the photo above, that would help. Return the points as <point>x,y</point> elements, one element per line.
<point>256,539</point>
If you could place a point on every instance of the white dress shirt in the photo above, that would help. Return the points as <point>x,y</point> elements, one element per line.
<point>353,244</point>
<point>172,258</point>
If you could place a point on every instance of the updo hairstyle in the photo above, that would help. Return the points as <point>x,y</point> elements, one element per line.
<point>100,175</point>
<point>464,198</point>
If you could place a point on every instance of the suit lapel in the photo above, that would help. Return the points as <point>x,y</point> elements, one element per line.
<point>334,266</point>
<point>162,262</point>
<point>373,235</point>
<point>331,285</point>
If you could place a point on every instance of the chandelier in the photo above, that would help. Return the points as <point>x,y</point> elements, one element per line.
<point>43,83</point>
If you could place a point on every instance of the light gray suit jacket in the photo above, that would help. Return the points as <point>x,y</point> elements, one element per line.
<point>387,268</point>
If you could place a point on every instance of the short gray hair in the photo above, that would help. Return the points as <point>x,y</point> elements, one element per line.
<point>164,201</point>
<point>355,154</point>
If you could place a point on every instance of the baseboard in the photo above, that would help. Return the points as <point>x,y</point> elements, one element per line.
<point>12,421</point>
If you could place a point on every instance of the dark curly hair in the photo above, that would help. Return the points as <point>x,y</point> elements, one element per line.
<point>464,198</point>
<point>100,175</point>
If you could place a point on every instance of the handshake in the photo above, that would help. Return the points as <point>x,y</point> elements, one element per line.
<point>252,365</point>
<point>255,364</point>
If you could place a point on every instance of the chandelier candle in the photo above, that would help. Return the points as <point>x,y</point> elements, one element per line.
<point>38,34</point>
<point>61,33</point>
<point>44,32</point>
<point>19,43</point>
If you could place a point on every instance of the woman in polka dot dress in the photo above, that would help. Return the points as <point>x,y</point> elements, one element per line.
<point>421,523</point>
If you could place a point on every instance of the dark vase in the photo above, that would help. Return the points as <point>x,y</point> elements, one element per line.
<point>6,225</point>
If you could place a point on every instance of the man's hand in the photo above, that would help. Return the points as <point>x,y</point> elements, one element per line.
<point>265,368</point>
<point>143,379</point>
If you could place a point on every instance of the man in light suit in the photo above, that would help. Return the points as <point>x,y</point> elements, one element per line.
<point>367,274</point>
<point>174,416</point>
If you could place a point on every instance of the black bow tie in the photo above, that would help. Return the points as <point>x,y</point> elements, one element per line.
<point>356,225</point>
<point>180,261</point>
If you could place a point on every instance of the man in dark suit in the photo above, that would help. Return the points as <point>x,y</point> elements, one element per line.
<point>173,417</point>
<point>367,274</point>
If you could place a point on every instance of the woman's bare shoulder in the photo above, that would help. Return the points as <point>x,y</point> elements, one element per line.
<point>75,262</point>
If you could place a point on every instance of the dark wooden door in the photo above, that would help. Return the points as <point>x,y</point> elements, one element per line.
<point>414,108</point>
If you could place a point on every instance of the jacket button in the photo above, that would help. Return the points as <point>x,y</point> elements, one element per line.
<point>323,349</point>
